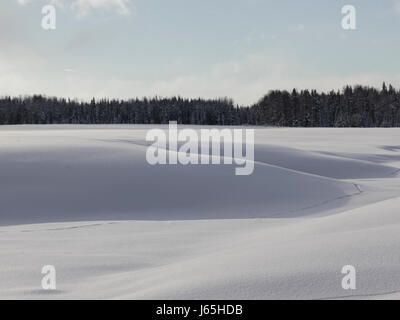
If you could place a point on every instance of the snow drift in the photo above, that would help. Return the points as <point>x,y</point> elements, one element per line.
<point>84,199</point>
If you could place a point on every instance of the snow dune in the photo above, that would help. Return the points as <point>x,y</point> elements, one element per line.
<point>83,199</point>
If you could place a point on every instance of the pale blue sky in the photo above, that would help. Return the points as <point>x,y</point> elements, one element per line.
<point>209,48</point>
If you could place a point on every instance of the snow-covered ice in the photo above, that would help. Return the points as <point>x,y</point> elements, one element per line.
<point>84,199</point>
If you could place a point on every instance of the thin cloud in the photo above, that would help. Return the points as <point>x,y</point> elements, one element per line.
<point>68,70</point>
<point>397,7</point>
<point>245,80</point>
<point>300,27</point>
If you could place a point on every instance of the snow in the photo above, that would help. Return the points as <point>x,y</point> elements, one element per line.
<point>84,199</point>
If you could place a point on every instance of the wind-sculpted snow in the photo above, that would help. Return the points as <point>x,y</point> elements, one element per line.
<point>50,176</point>
<point>84,199</point>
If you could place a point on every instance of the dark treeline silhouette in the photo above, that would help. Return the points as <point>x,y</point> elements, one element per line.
<point>42,110</point>
<point>351,107</point>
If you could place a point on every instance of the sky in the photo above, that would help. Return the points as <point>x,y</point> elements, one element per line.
<point>195,48</point>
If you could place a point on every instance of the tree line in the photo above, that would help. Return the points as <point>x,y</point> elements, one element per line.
<point>357,106</point>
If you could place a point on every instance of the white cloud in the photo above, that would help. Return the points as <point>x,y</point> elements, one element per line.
<point>83,7</point>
